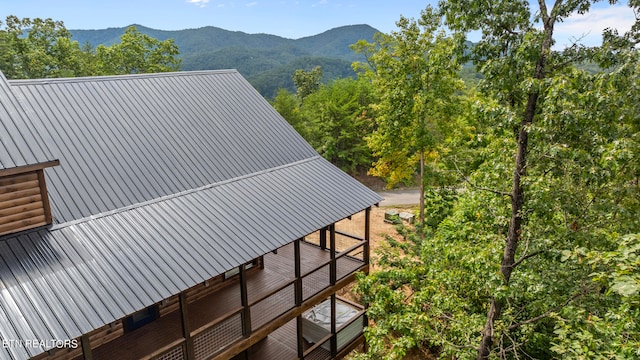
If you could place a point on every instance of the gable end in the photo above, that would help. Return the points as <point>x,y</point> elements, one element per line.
<point>23,202</point>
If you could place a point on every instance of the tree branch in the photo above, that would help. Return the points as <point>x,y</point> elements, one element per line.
<point>468,181</point>
<point>526,257</point>
<point>545,314</point>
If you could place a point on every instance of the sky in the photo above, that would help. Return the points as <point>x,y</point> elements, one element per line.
<point>287,18</point>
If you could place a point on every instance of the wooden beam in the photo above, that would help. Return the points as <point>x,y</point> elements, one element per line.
<point>244,298</point>
<point>86,347</point>
<point>28,168</point>
<point>298,295</point>
<point>300,337</point>
<point>186,326</point>
<point>367,235</point>
<point>323,238</point>
<point>334,337</point>
<point>297,272</point>
<point>45,197</point>
<point>333,269</point>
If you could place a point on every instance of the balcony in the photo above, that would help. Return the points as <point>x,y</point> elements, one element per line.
<point>259,310</point>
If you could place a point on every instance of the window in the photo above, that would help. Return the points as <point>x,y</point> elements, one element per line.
<point>140,318</point>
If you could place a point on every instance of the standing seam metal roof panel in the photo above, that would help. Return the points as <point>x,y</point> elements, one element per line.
<point>18,144</point>
<point>167,122</point>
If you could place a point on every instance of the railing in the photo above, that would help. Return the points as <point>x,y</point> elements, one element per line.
<point>218,334</point>
<point>272,305</point>
<point>172,351</point>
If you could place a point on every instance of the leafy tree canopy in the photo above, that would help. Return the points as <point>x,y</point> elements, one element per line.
<point>533,253</point>
<point>36,48</point>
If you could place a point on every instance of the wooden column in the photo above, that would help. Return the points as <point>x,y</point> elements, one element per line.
<point>186,328</point>
<point>334,336</point>
<point>333,273</point>
<point>366,257</point>
<point>297,272</point>
<point>323,238</point>
<point>332,245</point>
<point>86,347</point>
<point>367,235</point>
<point>244,298</point>
<point>298,295</point>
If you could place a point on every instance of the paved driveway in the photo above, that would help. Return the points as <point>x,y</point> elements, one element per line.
<point>403,197</point>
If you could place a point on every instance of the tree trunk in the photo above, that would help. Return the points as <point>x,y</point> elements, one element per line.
<point>515,225</point>
<point>421,216</point>
<point>517,192</point>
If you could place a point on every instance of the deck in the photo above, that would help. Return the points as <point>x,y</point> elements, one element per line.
<point>216,321</point>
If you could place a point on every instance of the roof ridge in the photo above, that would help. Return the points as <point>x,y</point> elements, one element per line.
<point>180,194</point>
<point>21,82</point>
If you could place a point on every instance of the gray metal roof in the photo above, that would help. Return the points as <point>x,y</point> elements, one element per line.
<point>18,147</point>
<point>123,140</point>
<point>164,181</point>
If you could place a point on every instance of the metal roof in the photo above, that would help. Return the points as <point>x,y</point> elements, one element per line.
<point>164,181</point>
<point>18,147</point>
<point>123,140</point>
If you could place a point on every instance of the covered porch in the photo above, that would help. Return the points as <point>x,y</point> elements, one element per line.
<point>259,312</point>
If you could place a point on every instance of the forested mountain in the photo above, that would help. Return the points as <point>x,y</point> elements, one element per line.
<point>267,61</point>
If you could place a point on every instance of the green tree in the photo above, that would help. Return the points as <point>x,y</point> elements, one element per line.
<point>533,255</point>
<point>36,48</point>
<point>307,82</point>
<point>537,92</point>
<point>414,72</point>
<point>337,122</point>
<point>137,53</point>
<point>288,105</point>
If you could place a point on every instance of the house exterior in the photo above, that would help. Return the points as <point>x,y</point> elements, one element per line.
<point>171,216</point>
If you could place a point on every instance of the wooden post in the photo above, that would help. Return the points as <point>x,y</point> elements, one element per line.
<point>298,295</point>
<point>244,298</point>
<point>367,260</point>
<point>367,235</point>
<point>323,238</point>
<point>297,272</point>
<point>86,347</point>
<point>332,244</point>
<point>334,336</point>
<point>186,328</point>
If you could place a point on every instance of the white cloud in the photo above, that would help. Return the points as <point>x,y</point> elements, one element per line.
<point>320,3</point>
<point>588,27</point>
<point>199,3</point>
<point>252,4</point>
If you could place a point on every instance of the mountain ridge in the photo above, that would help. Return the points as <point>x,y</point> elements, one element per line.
<point>267,61</point>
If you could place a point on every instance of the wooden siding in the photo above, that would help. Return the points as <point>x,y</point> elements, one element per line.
<point>23,202</point>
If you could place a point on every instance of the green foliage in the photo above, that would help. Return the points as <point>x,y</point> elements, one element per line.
<point>413,71</point>
<point>333,119</point>
<point>288,105</point>
<point>36,48</point>
<point>307,82</point>
<point>612,331</point>
<point>137,53</point>
<point>337,122</point>
<point>573,284</point>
